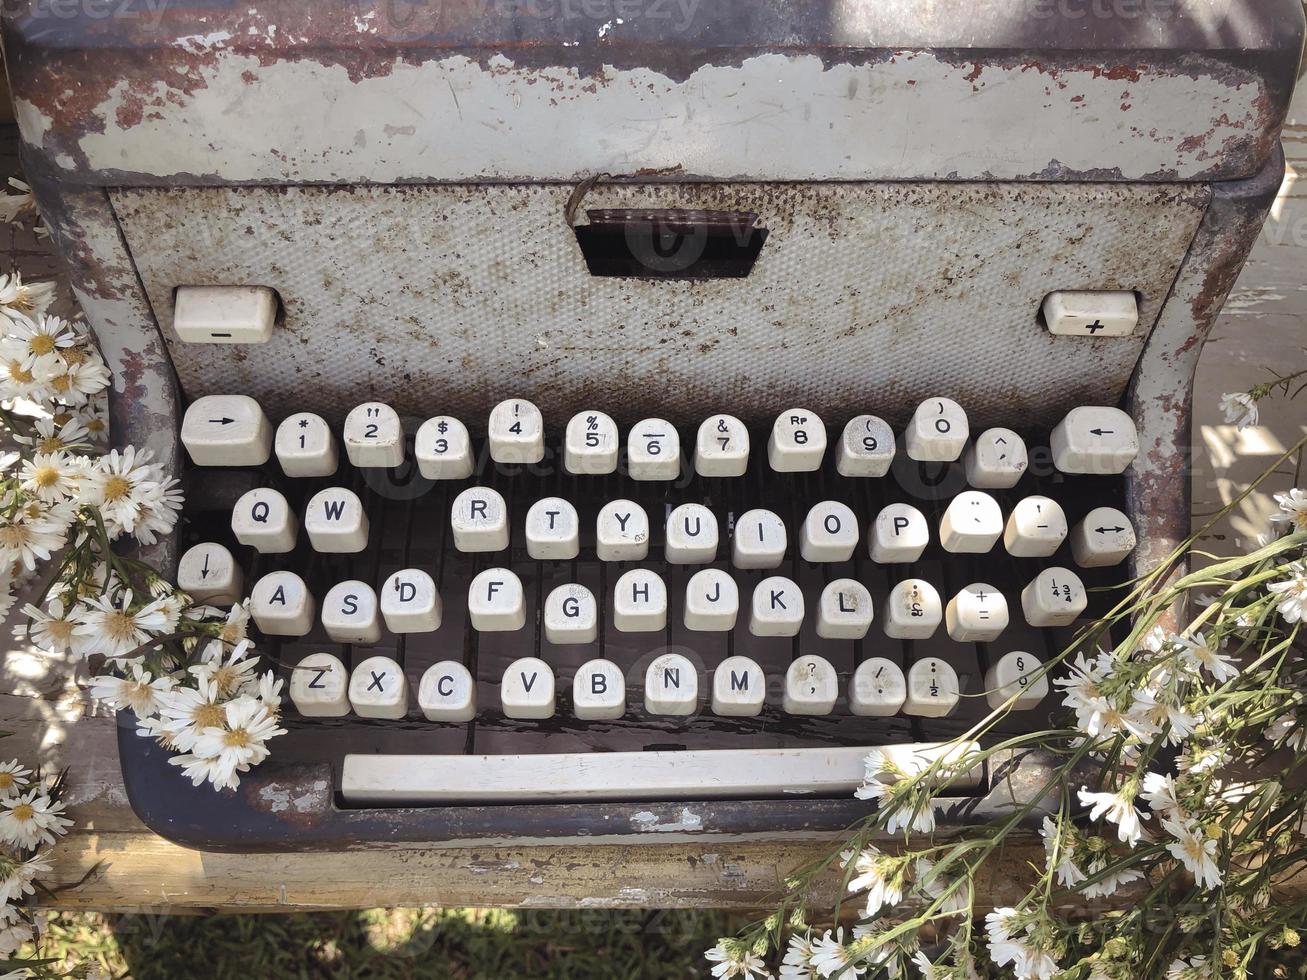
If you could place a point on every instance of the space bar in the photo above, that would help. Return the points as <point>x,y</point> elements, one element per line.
<point>396,780</point>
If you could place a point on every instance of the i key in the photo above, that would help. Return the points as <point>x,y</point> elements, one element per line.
<point>209,574</point>
<point>759,540</point>
<point>226,430</point>
<point>516,432</point>
<point>374,437</point>
<point>721,447</point>
<point>378,689</point>
<point>263,520</point>
<point>443,449</point>
<point>335,522</point>
<point>305,446</point>
<point>319,687</point>
<point>527,689</point>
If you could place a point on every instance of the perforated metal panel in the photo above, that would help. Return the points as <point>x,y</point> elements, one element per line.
<point>866,297</point>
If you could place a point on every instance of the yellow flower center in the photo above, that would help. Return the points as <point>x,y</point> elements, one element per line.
<point>225,678</point>
<point>208,716</point>
<point>47,476</point>
<point>119,625</point>
<point>96,425</point>
<point>23,812</point>
<point>14,535</point>
<point>16,373</point>
<point>236,739</point>
<point>42,344</point>
<point>63,418</point>
<point>115,488</point>
<point>7,781</point>
<point>51,445</point>
<point>74,356</point>
<point>60,630</point>
<point>62,383</point>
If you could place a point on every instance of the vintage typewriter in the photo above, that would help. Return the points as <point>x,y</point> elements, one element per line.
<point>620,424</point>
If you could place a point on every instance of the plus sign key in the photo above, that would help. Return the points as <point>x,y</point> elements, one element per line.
<point>1091,313</point>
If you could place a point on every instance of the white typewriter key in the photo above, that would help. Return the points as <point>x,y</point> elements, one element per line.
<point>590,444</point>
<point>1104,537</point>
<point>1094,439</point>
<point>738,688</point>
<point>1036,528</point>
<point>443,449</point>
<point>759,540</point>
<point>209,574</point>
<point>977,614</point>
<point>319,686</point>
<point>447,692</point>
<point>224,314</point>
<point>691,535</point>
<point>912,610</point>
<point>639,602</point>
<point>830,533</point>
<point>777,608</point>
<point>937,432</point>
<point>1091,313</point>
<point>349,613</point>
<point>226,430</point>
<point>996,460</point>
<point>527,690</point>
<point>877,688</point>
<point>971,524</point>
<point>866,447</point>
<point>844,610</point>
<point>622,532</point>
<point>281,605</point>
<point>263,520</point>
<point>553,531</point>
<point>653,450</point>
<point>899,535</point>
<point>1056,597</point>
<point>598,691</point>
<point>933,690</point>
<point>495,601</point>
<point>721,447</point>
<point>712,601</point>
<point>571,615</point>
<point>378,689</point>
<point>373,436</point>
<point>305,446</point>
<point>516,432</point>
<point>811,687</point>
<point>671,686</point>
<point>335,521</point>
<point>479,520</point>
<point>410,602</point>
<point>797,442</point>
<point>1016,674</point>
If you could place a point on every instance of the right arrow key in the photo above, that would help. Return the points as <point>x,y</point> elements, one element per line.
<point>1094,439</point>
<point>1104,537</point>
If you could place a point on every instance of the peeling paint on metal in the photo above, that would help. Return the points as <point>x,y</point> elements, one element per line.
<point>644,820</point>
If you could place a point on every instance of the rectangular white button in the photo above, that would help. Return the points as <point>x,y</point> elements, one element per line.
<point>1091,313</point>
<point>226,430</point>
<point>1094,439</point>
<point>224,314</point>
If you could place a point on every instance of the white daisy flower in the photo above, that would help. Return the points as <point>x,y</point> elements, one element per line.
<point>15,207</point>
<point>17,882</point>
<point>1068,875</point>
<point>831,956</point>
<point>185,712</point>
<point>12,935</point>
<point>24,298</point>
<point>1202,655</point>
<point>239,745</point>
<point>1195,850</point>
<point>78,381</point>
<point>32,819</point>
<point>1289,729</point>
<point>735,962</point>
<point>1160,793</point>
<point>1195,968</point>
<point>158,512</point>
<point>1240,408</point>
<point>269,692</point>
<point>19,378</point>
<point>1293,509</point>
<point>50,436</point>
<point>115,629</point>
<point>13,779</point>
<point>879,875</point>
<point>923,964</point>
<point>1292,593</point>
<point>51,629</point>
<point>1117,808</point>
<point>121,485</point>
<point>93,416</point>
<point>52,476</point>
<point>140,691</point>
<point>230,675</point>
<point>797,964</point>
<point>1108,884</point>
<point>25,540</point>
<point>41,336</point>
<point>956,900</point>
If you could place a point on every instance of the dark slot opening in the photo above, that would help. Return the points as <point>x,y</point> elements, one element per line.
<point>670,244</point>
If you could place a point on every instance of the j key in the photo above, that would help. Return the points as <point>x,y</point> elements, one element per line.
<point>712,601</point>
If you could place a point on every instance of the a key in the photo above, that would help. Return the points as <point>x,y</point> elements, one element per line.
<point>653,451</point>
<point>553,531</point>
<point>496,602</point>
<point>527,690</point>
<point>447,693</point>
<point>671,686</point>
<point>479,519</point>
<point>571,615</point>
<point>866,448</point>
<point>335,522</point>
<point>811,687</point>
<point>263,520</point>
<point>378,689</point>
<point>226,430</point>
<point>830,533</point>
<point>971,524</point>
<point>1104,537</point>
<point>443,449</point>
<point>899,535</point>
<point>1036,528</point>
<point>639,602</point>
<point>598,691</point>
<point>712,602</point>
<point>305,446</point>
<point>319,686</point>
<point>349,613</point>
<point>777,608</point>
<point>877,689</point>
<point>738,688</point>
<point>209,574</point>
<point>590,444</point>
<point>977,614</point>
<point>759,540</point>
<point>912,610</point>
<point>516,432</point>
<point>844,611</point>
<point>1055,597</point>
<point>938,431</point>
<point>410,602</point>
<point>996,460</point>
<point>691,537</point>
<point>1094,439</point>
<point>797,442</point>
<point>374,437</point>
<point>281,605</point>
<point>721,447</point>
<point>932,689</point>
<point>622,532</point>
<point>1016,674</point>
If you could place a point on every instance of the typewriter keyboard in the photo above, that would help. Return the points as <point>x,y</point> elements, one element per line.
<point>549,611</point>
